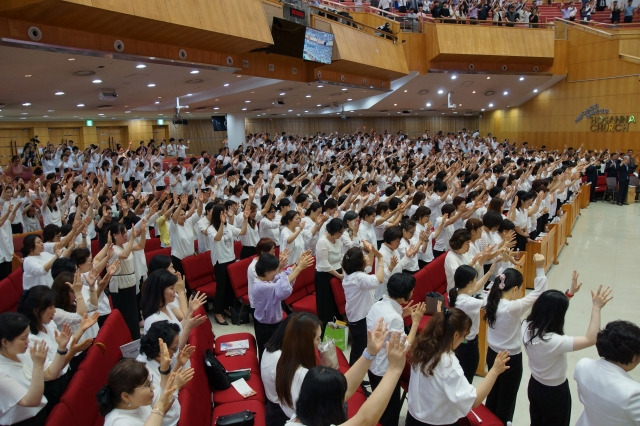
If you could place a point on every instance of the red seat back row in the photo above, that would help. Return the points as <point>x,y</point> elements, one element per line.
<point>238,278</point>
<point>198,271</point>
<point>11,291</point>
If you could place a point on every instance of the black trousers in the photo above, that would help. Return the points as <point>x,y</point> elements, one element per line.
<point>411,421</point>
<point>502,398</point>
<point>623,187</point>
<point>247,251</point>
<point>5,269</point>
<point>392,412</point>
<point>521,242</point>
<point>437,253</point>
<point>16,228</point>
<point>53,389</point>
<point>274,415</point>
<point>224,292</point>
<point>469,356</point>
<point>358,332</point>
<point>325,303</point>
<point>102,319</point>
<point>263,334</point>
<point>422,263</point>
<point>549,405</point>
<point>125,301</point>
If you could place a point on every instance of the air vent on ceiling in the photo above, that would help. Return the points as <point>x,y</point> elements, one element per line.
<point>194,81</point>
<point>384,110</point>
<point>423,92</point>
<point>103,107</point>
<point>489,93</point>
<point>286,89</point>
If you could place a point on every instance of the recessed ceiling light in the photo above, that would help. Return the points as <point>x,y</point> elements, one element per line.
<point>521,79</point>
<point>189,94</point>
<point>26,104</point>
<point>535,90</point>
<point>244,109</point>
<point>320,86</point>
<point>27,75</point>
<point>156,102</point>
<point>306,111</point>
<point>290,110</point>
<point>158,114</point>
<point>488,77</point>
<point>318,105</point>
<point>140,66</point>
<point>80,105</point>
<point>238,76</point>
<point>216,108</point>
<point>151,85</point>
<point>247,102</point>
<point>455,112</point>
<point>71,59</point>
<point>127,112</point>
<point>428,104</point>
<point>344,89</point>
<point>505,93</point>
<point>97,81</point>
<point>50,110</point>
<point>24,113</point>
<point>442,113</point>
<point>23,118</point>
<point>59,93</point>
<point>440,92</point>
<point>473,92</point>
<point>226,85</point>
<point>459,105</point>
<point>349,99</point>
<point>481,109</point>
<point>282,93</point>
<point>490,105</point>
<point>194,72</point>
<point>405,90</point>
<point>101,114</point>
<point>395,104</point>
<point>308,96</point>
<point>45,116</point>
<point>453,77</point>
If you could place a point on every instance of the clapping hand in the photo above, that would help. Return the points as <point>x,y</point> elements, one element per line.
<point>397,349</point>
<point>196,300</point>
<point>417,312</point>
<point>38,353</point>
<point>185,354</point>
<point>63,337</point>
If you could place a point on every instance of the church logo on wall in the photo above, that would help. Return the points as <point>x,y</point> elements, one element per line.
<point>600,120</point>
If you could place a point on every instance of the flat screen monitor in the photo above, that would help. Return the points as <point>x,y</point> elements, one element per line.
<point>219,123</point>
<point>318,46</point>
<point>288,38</point>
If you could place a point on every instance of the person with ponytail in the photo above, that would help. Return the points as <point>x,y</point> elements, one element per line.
<point>439,394</point>
<point>503,313</point>
<point>127,397</point>
<point>461,297</point>
<point>22,374</point>
<point>547,347</point>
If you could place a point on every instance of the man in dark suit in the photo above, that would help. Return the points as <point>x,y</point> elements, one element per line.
<point>592,177</point>
<point>623,180</point>
<point>611,166</point>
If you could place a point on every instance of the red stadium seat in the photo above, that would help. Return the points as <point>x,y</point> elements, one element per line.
<point>238,278</point>
<point>338,295</point>
<point>10,295</point>
<point>198,272</point>
<point>148,255</point>
<point>152,244</point>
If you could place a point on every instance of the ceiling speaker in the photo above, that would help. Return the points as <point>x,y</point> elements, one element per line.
<point>34,33</point>
<point>118,46</point>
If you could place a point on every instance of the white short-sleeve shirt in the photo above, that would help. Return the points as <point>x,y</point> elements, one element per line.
<point>547,356</point>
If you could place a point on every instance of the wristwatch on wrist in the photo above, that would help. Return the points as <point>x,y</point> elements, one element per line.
<point>368,356</point>
<point>165,372</point>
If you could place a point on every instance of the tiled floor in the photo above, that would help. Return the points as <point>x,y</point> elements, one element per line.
<point>603,249</point>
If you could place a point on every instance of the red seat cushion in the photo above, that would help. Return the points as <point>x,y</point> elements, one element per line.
<point>11,294</point>
<point>198,272</point>
<point>237,248</point>
<point>238,278</point>
<point>148,255</point>
<point>61,414</point>
<point>236,407</point>
<point>152,244</point>
<point>306,304</point>
<point>354,403</point>
<point>231,395</point>
<point>195,397</point>
<point>338,295</point>
<point>236,336</point>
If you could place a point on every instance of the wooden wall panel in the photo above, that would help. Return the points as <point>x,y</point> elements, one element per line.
<point>201,135</point>
<point>413,126</point>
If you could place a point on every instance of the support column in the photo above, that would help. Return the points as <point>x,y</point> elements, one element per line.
<point>236,130</point>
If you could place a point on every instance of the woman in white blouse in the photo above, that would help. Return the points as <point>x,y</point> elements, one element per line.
<point>328,265</point>
<point>367,230</point>
<point>461,297</point>
<point>160,291</point>
<point>503,313</point>
<point>71,307</point>
<point>37,263</point>
<point>222,236</point>
<point>291,236</point>
<point>127,397</point>
<point>439,394</point>
<point>182,230</point>
<point>460,242</point>
<point>547,348</point>
<point>359,289</point>
<point>22,374</point>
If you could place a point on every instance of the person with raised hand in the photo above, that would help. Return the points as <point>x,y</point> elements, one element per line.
<point>439,393</point>
<point>325,390</point>
<point>547,348</point>
<point>22,374</point>
<point>127,398</point>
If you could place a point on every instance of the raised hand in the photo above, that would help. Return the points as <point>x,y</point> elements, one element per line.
<point>183,377</point>
<point>185,354</point>
<point>397,349</point>
<point>63,337</point>
<point>88,321</point>
<point>165,356</point>
<point>196,300</point>
<point>80,347</point>
<point>113,267</point>
<point>38,353</point>
<point>601,297</point>
<point>417,312</point>
<point>394,262</point>
<point>192,322</point>
<point>538,259</point>
<point>575,285</point>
